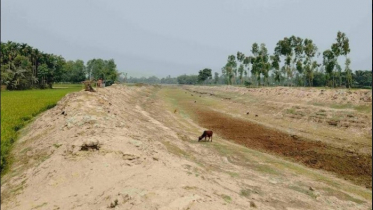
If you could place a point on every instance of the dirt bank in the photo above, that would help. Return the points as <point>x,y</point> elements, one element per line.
<point>349,165</point>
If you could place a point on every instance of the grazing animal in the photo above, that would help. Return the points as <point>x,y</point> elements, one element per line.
<point>205,135</point>
<point>247,113</point>
<point>256,115</point>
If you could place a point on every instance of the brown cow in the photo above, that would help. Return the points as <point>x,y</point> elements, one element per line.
<point>205,135</point>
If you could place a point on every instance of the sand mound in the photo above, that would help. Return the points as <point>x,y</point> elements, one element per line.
<point>101,150</point>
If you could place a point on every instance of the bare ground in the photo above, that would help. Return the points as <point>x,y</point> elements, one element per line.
<point>136,148</point>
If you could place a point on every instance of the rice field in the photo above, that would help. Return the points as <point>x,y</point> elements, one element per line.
<point>19,107</point>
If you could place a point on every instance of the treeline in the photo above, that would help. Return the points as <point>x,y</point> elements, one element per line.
<point>25,67</point>
<point>360,78</point>
<point>293,63</point>
<point>150,80</point>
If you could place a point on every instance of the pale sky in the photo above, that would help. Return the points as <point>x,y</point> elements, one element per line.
<point>173,37</point>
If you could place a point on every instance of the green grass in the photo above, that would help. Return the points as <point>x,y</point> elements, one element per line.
<point>341,195</point>
<point>245,192</point>
<point>303,190</point>
<point>19,107</point>
<point>226,198</point>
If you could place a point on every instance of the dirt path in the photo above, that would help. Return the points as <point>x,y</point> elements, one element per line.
<point>126,148</point>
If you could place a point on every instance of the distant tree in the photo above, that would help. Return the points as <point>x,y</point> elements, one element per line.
<point>348,73</point>
<point>255,68</point>
<point>246,63</point>
<point>284,49</point>
<point>297,54</point>
<point>363,79</point>
<point>310,51</point>
<point>319,79</point>
<point>230,69</point>
<point>260,62</point>
<point>275,64</point>
<point>204,74</point>
<point>216,78</point>
<point>341,47</point>
<point>241,69</point>
<point>104,69</point>
<point>187,79</point>
<point>329,62</point>
<point>42,74</point>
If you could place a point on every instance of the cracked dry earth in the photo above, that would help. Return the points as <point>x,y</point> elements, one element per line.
<point>125,148</point>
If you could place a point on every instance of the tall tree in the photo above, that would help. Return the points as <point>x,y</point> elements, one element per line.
<point>341,47</point>
<point>230,68</point>
<point>329,62</point>
<point>246,62</point>
<point>216,78</point>
<point>284,49</point>
<point>310,50</point>
<point>260,62</point>
<point>276,66</point>
<point>348,73</point>
<point>240,59</point>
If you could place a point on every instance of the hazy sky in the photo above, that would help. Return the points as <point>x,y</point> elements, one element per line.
<point>170,37</point>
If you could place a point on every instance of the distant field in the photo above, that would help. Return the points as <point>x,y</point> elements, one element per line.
<point>19,107</point>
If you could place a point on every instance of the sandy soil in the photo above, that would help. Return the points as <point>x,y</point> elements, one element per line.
<point>126,148</point>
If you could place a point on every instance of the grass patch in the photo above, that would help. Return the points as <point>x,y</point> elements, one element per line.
<point>321,114</point>
<point>233,174</point>
<point>364,108</point>
<point>245,193</point>
<point>39,206</point>
<point>290,111</point>
<point>324,179</point>
<point>222,149</point>
<point>267,169</point>
<point>304,191</point>
<point>176,150</point>
<point>317,104</point>
<point>190,188</point>
<point>17,110</point>
<point>17,190</point>
<point>226,198</point>
<point>341,195</point>
<point>341,106</point>
<point>359,108</point>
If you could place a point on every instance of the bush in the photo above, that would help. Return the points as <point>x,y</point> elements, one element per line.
<point>248,83</point>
